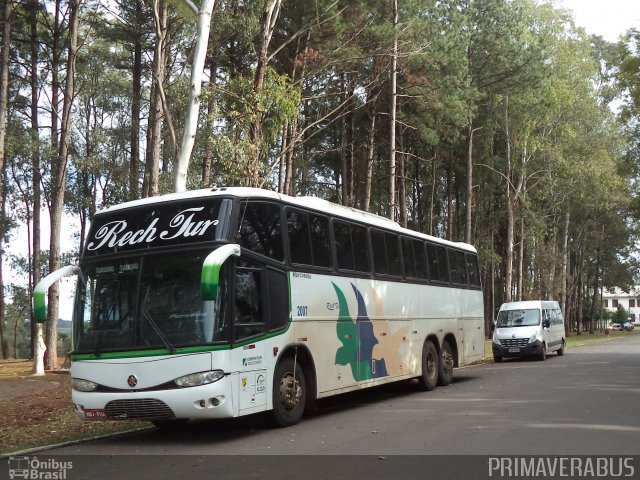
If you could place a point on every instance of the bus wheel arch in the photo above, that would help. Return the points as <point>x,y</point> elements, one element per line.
<point>294,386</point>
<point>448,360</point>
<point>430,362</point>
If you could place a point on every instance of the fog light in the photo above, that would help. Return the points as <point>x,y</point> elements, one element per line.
<point>203,403</point>
<point>215,402</point>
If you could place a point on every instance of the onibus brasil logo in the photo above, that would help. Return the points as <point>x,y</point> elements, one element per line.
<point>36,469</point>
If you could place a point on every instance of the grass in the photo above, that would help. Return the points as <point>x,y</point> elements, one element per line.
<point>37,416</point>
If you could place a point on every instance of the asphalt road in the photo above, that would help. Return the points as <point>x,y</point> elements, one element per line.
<point>585,403</point>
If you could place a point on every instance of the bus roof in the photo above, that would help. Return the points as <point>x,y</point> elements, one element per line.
<point>313,203</point>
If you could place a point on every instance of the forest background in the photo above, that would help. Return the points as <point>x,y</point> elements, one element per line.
<point>485,121</point>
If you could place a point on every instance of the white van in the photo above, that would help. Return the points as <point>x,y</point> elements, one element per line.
<point>530,328</point>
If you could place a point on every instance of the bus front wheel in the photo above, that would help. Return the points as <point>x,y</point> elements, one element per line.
<point>289,393</point>
<point>430,367</point>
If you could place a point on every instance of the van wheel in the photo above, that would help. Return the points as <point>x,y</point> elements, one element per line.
<point>561,350</point>
<point>430,366</point>
<point>542,356</point>
<point>445,372</point>
<point>289,393</point>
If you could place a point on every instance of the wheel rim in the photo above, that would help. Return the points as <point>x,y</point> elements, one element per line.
<point>447,361</point>
<point>290,391</point>
<point>431,365</point>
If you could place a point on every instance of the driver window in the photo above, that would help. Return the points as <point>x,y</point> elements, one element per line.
<point>249,319</point>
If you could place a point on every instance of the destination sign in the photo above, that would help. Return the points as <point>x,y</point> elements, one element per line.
<point>158,224</point>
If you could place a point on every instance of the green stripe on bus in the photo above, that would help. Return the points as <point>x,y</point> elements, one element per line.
<point>40,306</point>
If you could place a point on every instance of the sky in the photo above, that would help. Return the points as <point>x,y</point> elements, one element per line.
<point>607,18</point>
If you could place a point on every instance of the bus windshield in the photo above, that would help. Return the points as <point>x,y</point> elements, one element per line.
<point>518,318</point>
<point>145,302</point>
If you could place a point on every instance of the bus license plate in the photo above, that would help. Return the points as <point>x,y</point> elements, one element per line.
<point>514,350</point>
<point>95,413</point>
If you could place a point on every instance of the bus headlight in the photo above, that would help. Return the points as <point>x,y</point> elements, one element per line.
<point>197,379</point>
<point>82,385</point>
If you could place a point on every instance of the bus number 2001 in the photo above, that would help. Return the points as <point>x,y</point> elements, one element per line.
<point>303,310</point>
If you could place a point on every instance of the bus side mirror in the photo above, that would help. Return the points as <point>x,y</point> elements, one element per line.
<point>40,292</point>
<point>210,278</point>
<point>546,324</point>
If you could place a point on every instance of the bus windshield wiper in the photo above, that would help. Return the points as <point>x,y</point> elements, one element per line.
<point>147,316</point>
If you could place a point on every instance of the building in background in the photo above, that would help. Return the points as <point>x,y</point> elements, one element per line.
<point>630,300</point>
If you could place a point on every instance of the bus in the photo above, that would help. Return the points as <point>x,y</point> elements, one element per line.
<point>232,301</point>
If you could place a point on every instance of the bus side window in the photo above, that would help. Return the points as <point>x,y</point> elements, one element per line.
<point>472,267</point>
<point>260,229</point>
<point>278,299</point>
<point>308,239</point>
<point>351,246</point>
<point>438,265</point>
<point>457,267</point>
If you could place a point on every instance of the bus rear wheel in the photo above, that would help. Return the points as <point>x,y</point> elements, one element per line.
<point>289,393</point>
<point>445,372</point>
<point>430,367</point>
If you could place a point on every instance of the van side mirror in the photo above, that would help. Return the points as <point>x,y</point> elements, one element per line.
<point>210,278</point>
<point>492,326</point>
<point>40,292</point>
<point>546,323</point>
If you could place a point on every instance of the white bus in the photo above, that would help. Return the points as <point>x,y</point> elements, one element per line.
<point>232,301</point>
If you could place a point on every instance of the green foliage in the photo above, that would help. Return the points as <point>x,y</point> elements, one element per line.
<point>621,315</point>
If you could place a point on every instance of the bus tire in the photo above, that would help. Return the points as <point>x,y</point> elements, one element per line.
<point>289,393</point>
<point>430,366</point>
<point>445,370</point>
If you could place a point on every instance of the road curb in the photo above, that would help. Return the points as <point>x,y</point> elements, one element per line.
<point>72,442</point>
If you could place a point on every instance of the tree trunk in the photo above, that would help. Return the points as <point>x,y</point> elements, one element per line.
<point>211,112</point>
<point>4,94</point>
<point>521,262</point>
<point>193,109</point>
<point>371,144</point>
<point>269,17</point>
<point>470,200</point>
<point>135,110</point>
<point>565,268</point>
<point>37,343</point>
<point>156,116</point>
<point>58,177</point>
<point>392,116</point>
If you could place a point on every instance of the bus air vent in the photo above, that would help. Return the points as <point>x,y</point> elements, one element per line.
<point>142,409</point>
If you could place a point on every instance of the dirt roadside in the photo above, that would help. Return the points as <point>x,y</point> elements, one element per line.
<point>37,411</point>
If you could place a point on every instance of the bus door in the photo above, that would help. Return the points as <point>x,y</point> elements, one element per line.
<point>250,322</point>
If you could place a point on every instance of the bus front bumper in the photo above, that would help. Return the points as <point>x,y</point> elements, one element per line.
<point>206,401</point>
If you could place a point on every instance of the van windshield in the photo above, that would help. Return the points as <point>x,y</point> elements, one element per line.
<point>518,318</point>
